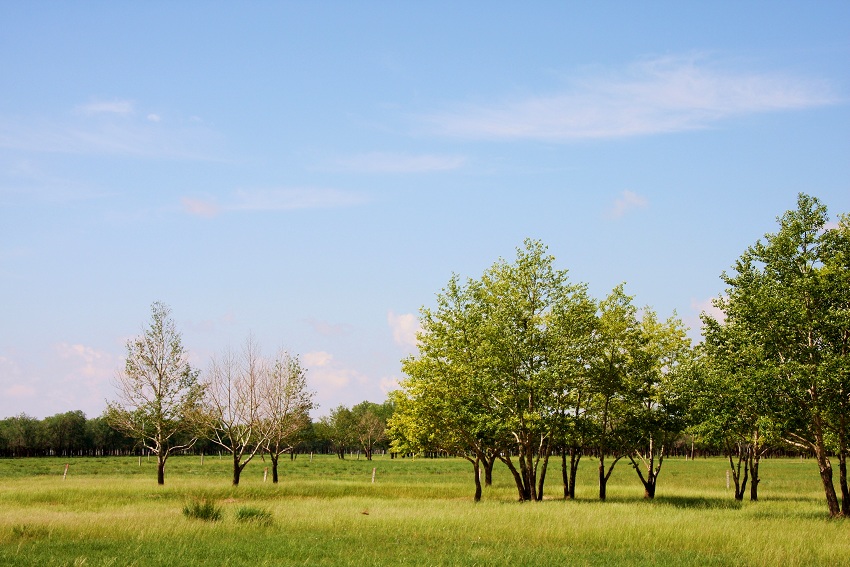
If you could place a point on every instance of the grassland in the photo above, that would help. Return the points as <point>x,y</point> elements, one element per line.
<point>110,511</point>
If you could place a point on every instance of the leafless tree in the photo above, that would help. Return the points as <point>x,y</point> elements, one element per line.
<point>234,405</point>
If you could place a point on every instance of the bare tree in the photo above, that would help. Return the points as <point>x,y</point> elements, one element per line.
<point>286,406</point>
<point>158,391</point>
<point>234,406</point>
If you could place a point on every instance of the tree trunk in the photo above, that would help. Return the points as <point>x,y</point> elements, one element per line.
<point>842,465</point>
<point>755,457</point>
<point>542,475</point>
<point>517,477</point>
<point>842,482</point>
<point>743,457</point>
<point>825,468</point>
<point>274,458</point>
<point>575,457</point>
<point>489,461</point>
<point>160,469</point>
<point>565,475</point>
<point>603,480</point>
<point>237,469</point>
<point>477,469</point>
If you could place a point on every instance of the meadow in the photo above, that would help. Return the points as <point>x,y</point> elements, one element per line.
<point>109,511</point>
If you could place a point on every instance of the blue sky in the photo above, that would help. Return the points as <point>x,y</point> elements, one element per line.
<point>313,173</point>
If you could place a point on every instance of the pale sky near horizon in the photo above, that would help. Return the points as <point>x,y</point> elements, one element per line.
<point>314,172</point>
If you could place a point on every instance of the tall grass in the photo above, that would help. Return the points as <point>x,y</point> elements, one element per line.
<point>328,512</point>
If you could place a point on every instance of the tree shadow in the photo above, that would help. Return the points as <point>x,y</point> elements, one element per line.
<point>700,502</point>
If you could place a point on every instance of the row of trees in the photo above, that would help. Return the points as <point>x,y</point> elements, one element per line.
<point>359,430</point>
<point>62,435</point>
<point>522,364</point>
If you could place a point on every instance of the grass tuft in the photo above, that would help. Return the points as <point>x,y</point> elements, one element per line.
<point>254,515</point>
<point>202,509</point>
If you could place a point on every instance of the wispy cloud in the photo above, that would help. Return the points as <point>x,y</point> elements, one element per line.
<point>271,200</point>
<point>627,201</point>
<point>110,128</point>
<point>380,162</point>
<point>106,107</point>
<point>656,96</point>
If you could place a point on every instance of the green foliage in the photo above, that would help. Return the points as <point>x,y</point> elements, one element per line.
<point>782,347</point>
<point>202,509</point>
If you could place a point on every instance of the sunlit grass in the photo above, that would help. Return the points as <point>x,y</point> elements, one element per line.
<point>328,512</point>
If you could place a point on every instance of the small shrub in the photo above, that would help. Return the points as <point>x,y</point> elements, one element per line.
<point>202,509</point>
<point>28,531</point>
<point>256,515</point>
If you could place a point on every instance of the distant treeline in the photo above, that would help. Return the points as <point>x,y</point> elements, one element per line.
<point>71,434</point>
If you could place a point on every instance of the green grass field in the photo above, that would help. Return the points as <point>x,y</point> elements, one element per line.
<point>109,511</point>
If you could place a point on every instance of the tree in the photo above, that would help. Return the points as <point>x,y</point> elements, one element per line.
<point>657,390</point>
<point>617,340</point>
<point>369,425</point>
<point>734,399</point>
<point>233,415</point>
<point>441,405</point>
<point>573,326</point>
<point>485,372</point>
<point>788,299</point>
<point>286,405</point>
<point>158,390</point>
<point>338,430</point>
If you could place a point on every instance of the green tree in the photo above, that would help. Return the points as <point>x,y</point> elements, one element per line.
<point>338,430</point>
<point>659,403</point>
<point>442,404</point>
<point>787,298</point>
<point>735,393</point>
<point>618,340</point>
<point>158,390</point>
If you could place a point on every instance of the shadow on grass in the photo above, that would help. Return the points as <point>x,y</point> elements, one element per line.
<point>700,502</point>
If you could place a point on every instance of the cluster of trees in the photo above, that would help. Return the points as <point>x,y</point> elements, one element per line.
<point>362,427</point>
<point>245,404</point>
<point>522,364</point>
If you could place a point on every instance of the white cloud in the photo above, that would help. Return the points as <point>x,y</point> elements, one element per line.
<point>88,363</point>
<point>327,376</point>
<point>627,201</point>
<point>379,162</point>
<point>404,328</point>
<point>707,306</point>
<point>106,107</point>
<point>154,117</point>
<point>388,384</point>
<point>272,200</point>
<point>669,94</point>
<point>316,358</point>
<point>694,321</point>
